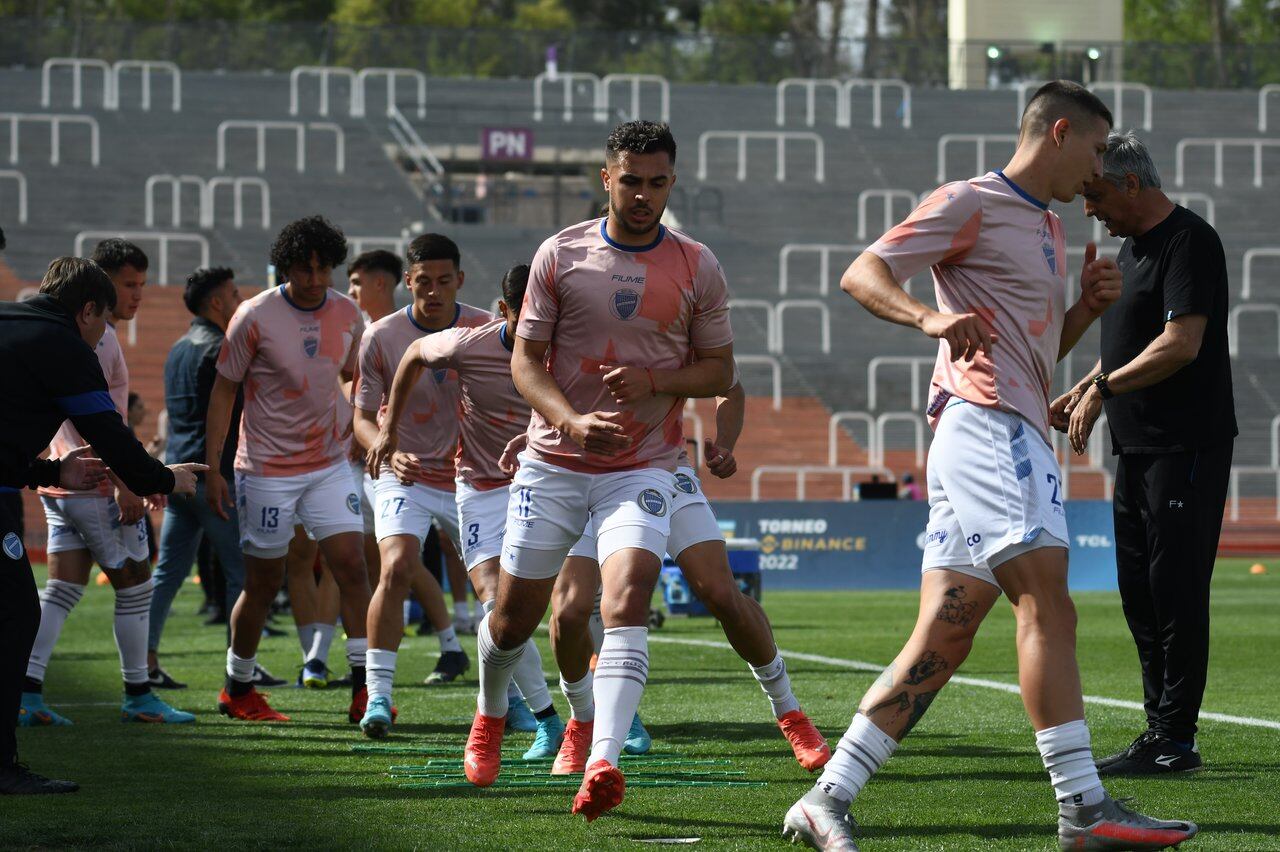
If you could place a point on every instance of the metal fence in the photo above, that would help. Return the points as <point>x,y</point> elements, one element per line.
<point>241,46</point>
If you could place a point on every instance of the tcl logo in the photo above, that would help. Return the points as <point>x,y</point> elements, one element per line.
<point>1093,541</point>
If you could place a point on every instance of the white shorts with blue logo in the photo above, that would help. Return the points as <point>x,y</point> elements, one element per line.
<point>364,487</point>
<point>995,491</point>
<point>325,501</point>
<point>92,523</point>
<point>692,521</point>
<point>550,507</point>
<point>400,509</point>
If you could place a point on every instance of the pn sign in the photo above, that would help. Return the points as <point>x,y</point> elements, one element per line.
<point>506,143</point>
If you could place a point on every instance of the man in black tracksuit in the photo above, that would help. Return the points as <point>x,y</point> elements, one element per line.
<point>51,374</point>
<point>1164,380</point>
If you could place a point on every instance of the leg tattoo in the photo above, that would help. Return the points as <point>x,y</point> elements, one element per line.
<point>925,667</point>
<point>955,609</point>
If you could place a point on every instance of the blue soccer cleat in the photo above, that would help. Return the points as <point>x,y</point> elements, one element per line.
<point>33,713</point>
<point>638,740</point>
<point>520,717</point>
<point>149,708</point>
<point>546,743</point>
<point>378,717</point>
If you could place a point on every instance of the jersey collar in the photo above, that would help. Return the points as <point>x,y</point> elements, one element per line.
<point>604,232</point>
<point>1022,192</point>
<point>284,292</point>
<point>457,312</point>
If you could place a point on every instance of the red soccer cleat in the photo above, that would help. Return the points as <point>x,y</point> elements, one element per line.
<point>482,758</point>
<point>808,744</point>
<point>574,749</point>
<point>602,789</point>
<point>250,707</point>
<point>360,705</point>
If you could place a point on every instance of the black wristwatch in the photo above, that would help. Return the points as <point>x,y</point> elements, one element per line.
<point>1100,382</point>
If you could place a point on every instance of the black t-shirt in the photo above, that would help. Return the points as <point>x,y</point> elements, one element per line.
<point>1176,268</point>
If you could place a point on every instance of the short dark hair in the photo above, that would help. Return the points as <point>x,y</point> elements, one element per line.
<point>1061,99</point>
<point>433,247</point>
<point>76,282</point>
<point>2,242</point>
<point>514,284</point>
<point>378,260</point>
<point>134,396</point>
<point>115,254</point>
<point>640,137</point>
<point>302,238</point>
<point>201,284</point>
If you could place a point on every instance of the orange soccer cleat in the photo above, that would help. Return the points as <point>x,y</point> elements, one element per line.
<point>602,789</point>
<point>482,758</point>
<point>574,749</point>
<point>807,742</point>
<point>250,707</point>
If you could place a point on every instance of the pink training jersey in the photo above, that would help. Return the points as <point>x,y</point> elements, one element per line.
<point>493,411</point>
<point>290,360</point>
<point>111,357</point>
<point>429,427</point>
<point>599,302</point>
<point>999,253</point>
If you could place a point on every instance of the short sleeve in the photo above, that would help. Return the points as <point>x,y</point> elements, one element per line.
<point>441,351</point>
<point>239,347</point>
<point>1195,268</point>
<point>709,327</point>
<point>541,307</point>
<point>357,335</point>
<point>941,231</point>
<point>371,385</point>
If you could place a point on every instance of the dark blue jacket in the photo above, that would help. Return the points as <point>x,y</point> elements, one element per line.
<point>189,373</point>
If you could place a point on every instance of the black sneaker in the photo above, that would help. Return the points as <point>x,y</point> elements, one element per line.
<point>262,677</point>
<point>1151,754</point>
<point>18,780</point>
<point>158,678</point>
<point>216,617</point>
<point>451,666</point>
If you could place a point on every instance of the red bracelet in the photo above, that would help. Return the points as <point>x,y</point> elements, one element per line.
<point>653,386</point>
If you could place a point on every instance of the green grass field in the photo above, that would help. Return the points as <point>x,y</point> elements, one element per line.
<point>968,778</point>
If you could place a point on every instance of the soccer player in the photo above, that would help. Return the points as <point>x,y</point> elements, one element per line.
<point>613,308</point>
<point>104,526</point>
<point>493,412</point>
<point>289,347</point>
<point>415,488</point>
<point>996,520</point>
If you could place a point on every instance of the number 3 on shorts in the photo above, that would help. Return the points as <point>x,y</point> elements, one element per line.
<point>473,535</point>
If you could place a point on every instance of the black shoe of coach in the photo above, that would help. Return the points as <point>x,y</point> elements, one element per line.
<point>1151,754</point>
<point>18,780</point>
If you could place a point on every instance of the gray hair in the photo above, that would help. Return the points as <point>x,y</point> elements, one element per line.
<point>1127,155</point>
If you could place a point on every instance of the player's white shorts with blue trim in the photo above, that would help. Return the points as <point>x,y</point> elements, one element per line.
<point>482,521</point>
<point>400,509</point>
<point>325,501</point>
<point>994,488</point>
<point>92,523</point>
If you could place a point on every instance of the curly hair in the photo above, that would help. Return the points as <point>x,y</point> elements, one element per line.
<point>201,283</point>
<point>640,137</point>
<point>301,238</point>
<point>115,254</point>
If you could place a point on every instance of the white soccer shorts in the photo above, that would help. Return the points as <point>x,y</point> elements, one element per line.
<point>550,507</point>
<point>994,488</point>
<point>692,521</point>
<point>401,509</point>
<point>324,501</point>
<point>482,520</point>
<point>364,487</point>
<point>93,524</point>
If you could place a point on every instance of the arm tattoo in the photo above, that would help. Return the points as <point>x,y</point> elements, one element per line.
<point>955,609</point>
<point>926,667</point>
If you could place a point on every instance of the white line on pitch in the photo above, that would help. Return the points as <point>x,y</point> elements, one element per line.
<point>1011,688</point>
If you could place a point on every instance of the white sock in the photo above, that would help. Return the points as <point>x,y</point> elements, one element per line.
<point>595,624</point>
<point>496,666</point>
<point>381,669</point>
<point>582,704</point>
<point>56,602</point>
<point>861,751</point>
<point>478,611</point>
<point>488,606</point>
<point>460,612</point>
<point>133,617</point>
<point>621,671</point>
<point>320,643</point>
<point>357,652</point>
<point>306,638</point>
<point>1068,757</point>
<point>773,679</point>
<point>240,668</point>
<point>529,677</point>
<point>448,640</point>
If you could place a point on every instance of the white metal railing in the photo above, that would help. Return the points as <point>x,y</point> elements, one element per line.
<point>1238,471</point>
<point>77,67</point>
<point>779,137</point>
<point>810,85</point>
<point>1233,324</point>
<point>887,197</point>
<point>145,67</point>
<point>824,319</point>
<point>918,432</point>
<point>359,245</point>
<point>175,184</point>
<point>1218,144</point>
<point>877,87</point>
<point>1269,89</point>
<point>1250,255</point>
<point>914,363</point>
<point>298,128</point>
<point>635,81</point>
<point>1117,90</point>
<point>569,79</point>
<point>164,238</point>
<point>1275,441</point>
<point>237,185</point>
<point>1023,88</point>
<point>775,372</point>
<point>20,180</point>
<point>770,318</point>
<point>803,471</point>
<point>55,122</point>
<point>423,159</point>
<point>980,140</point>
<point>360,92</point>
<point>324,73</point>
<point>824,252</point>
<point>833,436</point>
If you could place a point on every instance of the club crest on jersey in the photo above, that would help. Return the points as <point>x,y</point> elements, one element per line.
<point>439,376</point>
<point>652,502</point>
<point>353,503</point>
<point>686,484</point>
<point>625,303</point>
<point>12,546</point>
<point>310,346</point>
